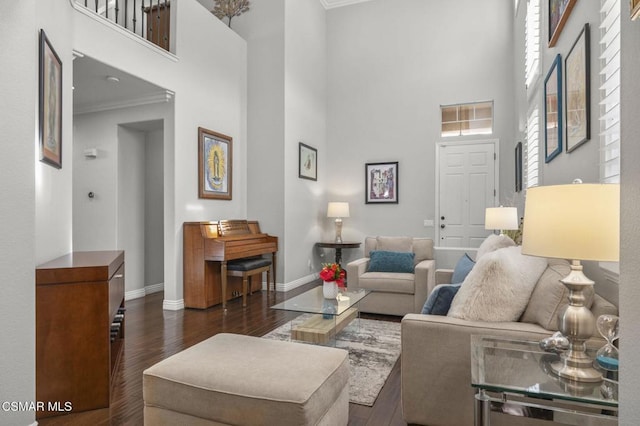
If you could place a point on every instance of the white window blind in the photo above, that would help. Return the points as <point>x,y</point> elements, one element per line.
<point>532,42</point>
<point>532,151</point>
<point>610,91</point>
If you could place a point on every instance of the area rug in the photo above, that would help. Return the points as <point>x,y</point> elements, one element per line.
<point>374,348</point>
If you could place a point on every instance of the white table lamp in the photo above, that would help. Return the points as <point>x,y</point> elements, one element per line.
<point>338,210</point>
<point>576,222</point>
<point>501,218</point>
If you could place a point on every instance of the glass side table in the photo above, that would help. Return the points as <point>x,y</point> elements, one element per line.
<point>513,377</point>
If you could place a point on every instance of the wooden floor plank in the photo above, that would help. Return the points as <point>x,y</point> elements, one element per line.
<point>153,334</point>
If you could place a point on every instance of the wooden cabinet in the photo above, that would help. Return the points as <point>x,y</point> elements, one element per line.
<point>79,330</point>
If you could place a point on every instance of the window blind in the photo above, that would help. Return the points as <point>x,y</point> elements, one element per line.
<point>610,91</point>
<point>532,151</point>
<point>532,42</point>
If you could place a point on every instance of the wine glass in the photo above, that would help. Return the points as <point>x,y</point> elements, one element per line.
<point>607,356</point>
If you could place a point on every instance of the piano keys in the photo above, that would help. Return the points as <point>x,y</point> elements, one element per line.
<point>208,246</point>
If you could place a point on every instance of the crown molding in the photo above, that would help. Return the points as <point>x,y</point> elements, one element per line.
<point>332,4</point>
<point>155,98</point>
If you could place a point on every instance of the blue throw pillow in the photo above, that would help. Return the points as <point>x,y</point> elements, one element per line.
<point>390,261</point>
<point>462,269</point>
<point>439,300</point>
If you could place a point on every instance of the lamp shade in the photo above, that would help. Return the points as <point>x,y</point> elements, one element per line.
<point>501,218</point>
<point>576,221</point>
<point>338,209</point>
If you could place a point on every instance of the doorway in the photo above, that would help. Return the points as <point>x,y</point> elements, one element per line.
<point>466,184</point>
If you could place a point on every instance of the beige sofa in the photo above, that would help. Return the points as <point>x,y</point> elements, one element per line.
<point>394,293</point>
<point>436,366</point>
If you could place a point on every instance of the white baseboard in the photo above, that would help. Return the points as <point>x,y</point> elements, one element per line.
<point>142,292</point>
<point>296,283</point>
<point>173,305</point>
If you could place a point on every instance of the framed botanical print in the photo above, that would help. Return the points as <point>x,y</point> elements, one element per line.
<point>577,93</point>
<point>381,183</point>
<point>50,104</point>
<point>553,111</point>
<point>215,161</point>
<point>307,162</point>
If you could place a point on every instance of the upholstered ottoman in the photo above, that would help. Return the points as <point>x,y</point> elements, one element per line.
<point>243,380</point>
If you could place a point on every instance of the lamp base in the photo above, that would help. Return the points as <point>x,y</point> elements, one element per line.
<point>338,239</point>
<point>577,324</point>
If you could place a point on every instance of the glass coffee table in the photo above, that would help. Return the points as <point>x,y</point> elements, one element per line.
<point>324,317</point>
<point>514,377</point>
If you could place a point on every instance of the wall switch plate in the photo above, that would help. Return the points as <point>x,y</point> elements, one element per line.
<point>428,222</point>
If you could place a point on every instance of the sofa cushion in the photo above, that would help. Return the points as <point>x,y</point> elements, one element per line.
<point>390,282</point>
<point>492,243</point>
<point>462,269</point>
<point>423,248</point>
<point>498,287</point>
<point>404,244</point>
<point>550,296</point>
<point>391,261</point>
<point>439,300</point>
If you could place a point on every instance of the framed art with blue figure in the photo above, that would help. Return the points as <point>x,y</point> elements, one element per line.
<point>381,183</point>
<point>215,161</point>
<point>50,104</point>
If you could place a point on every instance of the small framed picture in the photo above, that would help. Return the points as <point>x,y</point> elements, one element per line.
<point>553,111</point>
<point>215,161</point>
<point>50,104</point>
<point>381,183</point>
<point>307,162</point>
<point>518,167</point>
<point>635,9</point>
<point>577,93</point>
<point>559,11</point>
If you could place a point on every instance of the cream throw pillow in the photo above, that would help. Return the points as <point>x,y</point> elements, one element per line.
<point>498,287</point>
<point>492,243</point>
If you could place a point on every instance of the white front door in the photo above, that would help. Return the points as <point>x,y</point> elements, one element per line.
<point>467,175</point>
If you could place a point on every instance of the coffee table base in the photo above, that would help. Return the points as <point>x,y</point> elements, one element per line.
<point>319,330</point>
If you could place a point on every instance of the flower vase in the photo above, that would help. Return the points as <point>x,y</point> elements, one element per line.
<point>330,289</point>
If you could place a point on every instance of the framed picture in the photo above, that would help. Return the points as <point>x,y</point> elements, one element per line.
<point>558,13</point>
<point>381,183</point>
<point>307,162</point>
<point>577,93</point>
<point>50,104</point>
<point>519,167</point>
<point>635,9</point>
<point>215,161</point>
<point>553,111</point>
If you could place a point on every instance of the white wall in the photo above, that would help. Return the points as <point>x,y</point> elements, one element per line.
<point>305,106</point>
<point>154,215</point>
<point>130,146</point>
<point>115,218</point>
<point>207,51</point>
<point>391,65</point>
<point>18,77</point>
<point>263,29</point>
<point>629,223</point>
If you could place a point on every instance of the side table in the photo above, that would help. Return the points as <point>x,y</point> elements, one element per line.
<point>518,374</point>
<point>338,248</point>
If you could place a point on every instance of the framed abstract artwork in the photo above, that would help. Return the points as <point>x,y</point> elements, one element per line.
<point>553,111</point>
<point>381,183</point>
<point>215,161</point>
<point>307,162</point>
<point>558,13</point>
<point>576,92</point>
<point>50,104</point>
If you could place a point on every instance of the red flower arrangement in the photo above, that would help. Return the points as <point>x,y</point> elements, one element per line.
<point>333,272</point>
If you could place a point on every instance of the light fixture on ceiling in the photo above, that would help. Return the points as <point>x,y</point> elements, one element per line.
<point>113,79</point>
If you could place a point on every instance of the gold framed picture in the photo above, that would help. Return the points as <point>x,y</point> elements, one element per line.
<point>215,161</point>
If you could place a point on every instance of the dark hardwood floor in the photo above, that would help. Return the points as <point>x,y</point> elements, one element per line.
<point>153,334</point>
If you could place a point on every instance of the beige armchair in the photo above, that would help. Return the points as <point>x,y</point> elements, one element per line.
<point>394,293</point>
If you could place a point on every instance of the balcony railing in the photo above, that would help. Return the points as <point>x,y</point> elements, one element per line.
<point>150,19</point>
